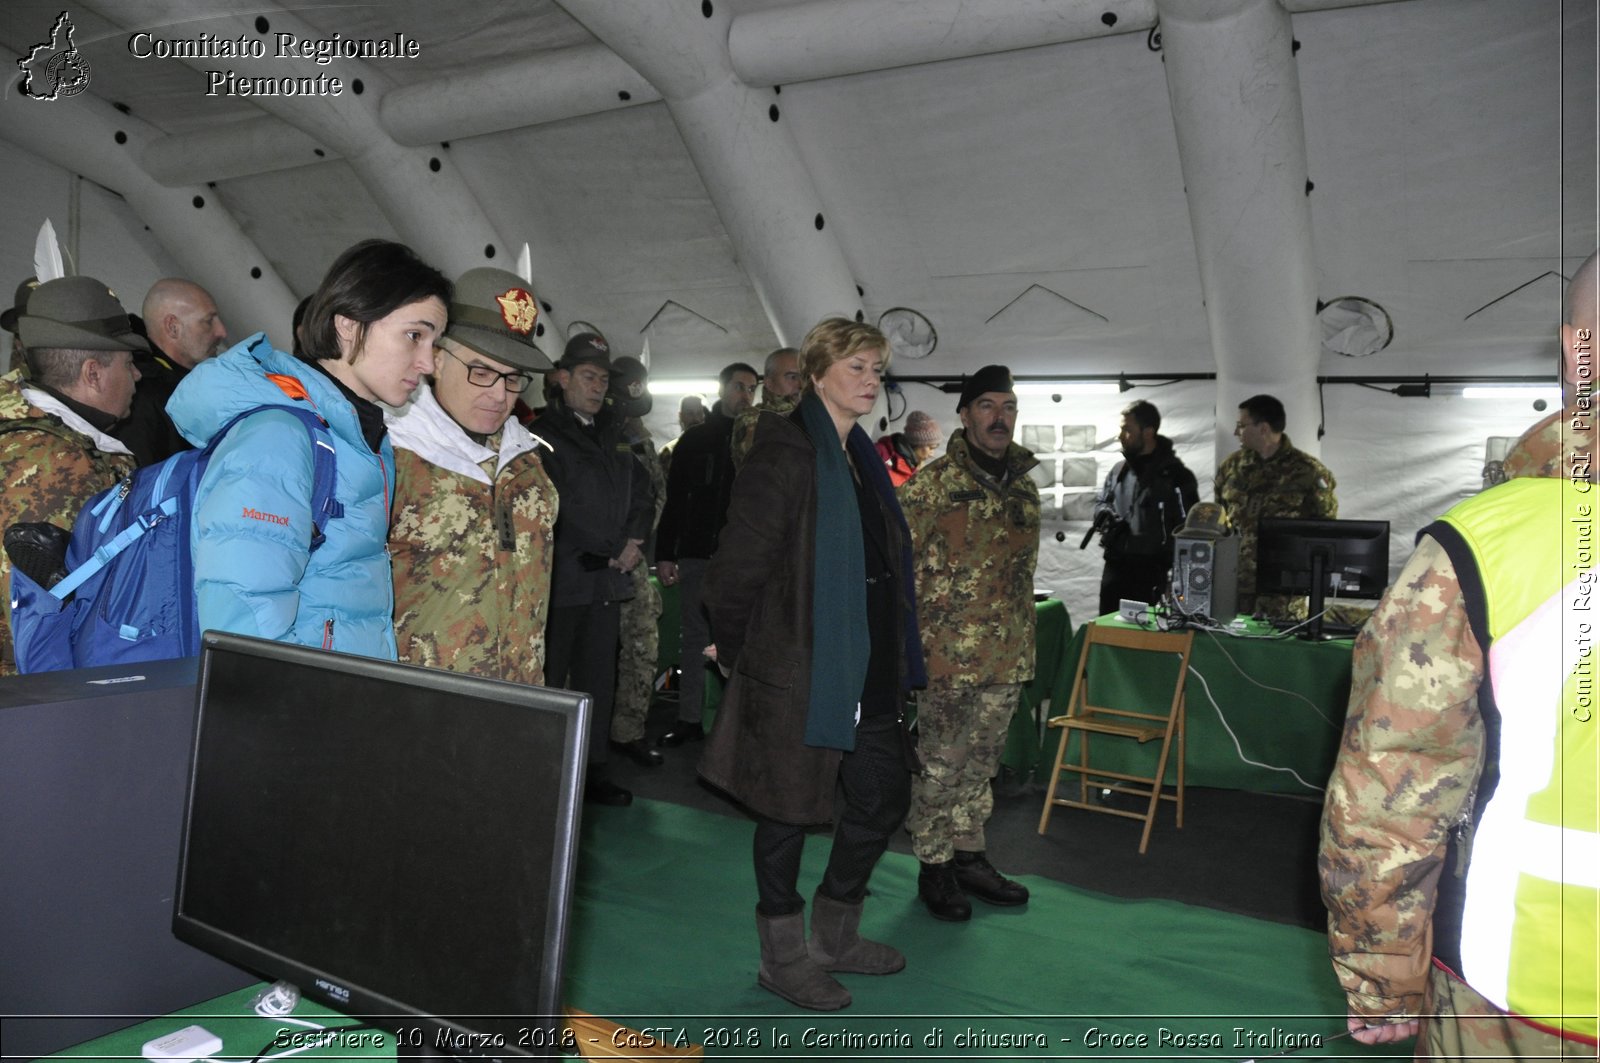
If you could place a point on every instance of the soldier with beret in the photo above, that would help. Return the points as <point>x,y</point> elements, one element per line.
<point>473,530</point>
<point>974,518</point>
<point>56,450</point>
<point>600,534</point>
<point>1268,477</point>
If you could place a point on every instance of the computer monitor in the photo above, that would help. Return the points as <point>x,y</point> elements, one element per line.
<point>398,842</point>
<point>1345,558</point>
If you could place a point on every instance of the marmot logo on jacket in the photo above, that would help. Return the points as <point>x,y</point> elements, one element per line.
<point>270,518</point>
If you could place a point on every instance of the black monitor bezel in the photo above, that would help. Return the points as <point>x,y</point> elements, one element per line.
<point>336,990</point>
<point>1317,529</point>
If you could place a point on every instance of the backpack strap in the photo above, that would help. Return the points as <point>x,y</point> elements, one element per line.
<point>324,463</point>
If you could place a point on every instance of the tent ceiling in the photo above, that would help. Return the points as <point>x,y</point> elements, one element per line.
<point>1029,202</point>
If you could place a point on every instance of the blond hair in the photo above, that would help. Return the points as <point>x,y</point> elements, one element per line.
<point>834,339</point>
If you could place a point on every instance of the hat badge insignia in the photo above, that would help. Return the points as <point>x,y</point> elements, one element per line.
<point>518,309</point>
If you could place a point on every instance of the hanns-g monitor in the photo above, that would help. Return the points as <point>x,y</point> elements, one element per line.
<point>397,842</point>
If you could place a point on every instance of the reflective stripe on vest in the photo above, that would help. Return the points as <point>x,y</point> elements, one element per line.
<point>1529,921</point>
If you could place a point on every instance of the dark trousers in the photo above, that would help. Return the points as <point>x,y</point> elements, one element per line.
<point>695,635</point>
<point>580,653</point>
<point>877,791</point>
<point>1140,579</point>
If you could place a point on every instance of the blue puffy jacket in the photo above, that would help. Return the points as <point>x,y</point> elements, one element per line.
<point>255,573</point>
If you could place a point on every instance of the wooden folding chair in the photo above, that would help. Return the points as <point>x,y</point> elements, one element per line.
<point>1087,719</point>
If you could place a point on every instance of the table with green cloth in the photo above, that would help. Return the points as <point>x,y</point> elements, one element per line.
<point>1263,714</point>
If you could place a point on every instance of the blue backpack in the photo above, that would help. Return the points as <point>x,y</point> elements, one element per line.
<point>128,594</point>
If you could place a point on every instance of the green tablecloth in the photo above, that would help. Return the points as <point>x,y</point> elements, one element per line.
<point>1277,702</point>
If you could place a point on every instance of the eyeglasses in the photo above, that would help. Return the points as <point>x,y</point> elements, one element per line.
<point>484,377</point>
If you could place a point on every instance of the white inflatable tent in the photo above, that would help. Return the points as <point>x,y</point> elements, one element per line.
<point>1081,190</point>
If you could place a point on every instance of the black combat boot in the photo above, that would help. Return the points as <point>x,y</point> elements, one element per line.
<point>978,878</point>
<point>937,886</point>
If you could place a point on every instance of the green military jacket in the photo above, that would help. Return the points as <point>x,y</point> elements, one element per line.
<point>471,548</point>
<point>974,544</point>
<point>49,471</point>
<point>1291,483</point>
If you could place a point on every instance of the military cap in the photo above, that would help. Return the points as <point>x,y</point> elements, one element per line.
<point>629,391</point>
<point>989,378</point>
<point>19,302</point>
<point>586,348</point>
<point>494,313</point>
<point>77,313</point>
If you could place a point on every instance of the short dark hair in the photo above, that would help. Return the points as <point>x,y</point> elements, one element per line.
<point>367,283</point>
<point>60,367</point>
<point>1144,414</point>
<point>1265,409</point>
<point>737,367</point>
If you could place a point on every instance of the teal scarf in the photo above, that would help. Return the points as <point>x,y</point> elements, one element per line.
<point>840,641</point>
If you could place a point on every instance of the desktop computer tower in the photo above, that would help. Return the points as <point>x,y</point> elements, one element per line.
<point>1205,577</point>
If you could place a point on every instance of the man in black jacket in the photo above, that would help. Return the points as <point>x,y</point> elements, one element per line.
<point>185,329</point>
<point>1142,504</point>
<point>604,518</point>
<point>699,483</point>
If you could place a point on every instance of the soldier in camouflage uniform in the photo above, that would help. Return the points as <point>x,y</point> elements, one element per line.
<point>974,519</point>
<point>641,614</point>
<point>780,391</point>
<point>474,511</point>
<point>1421,759</point>
<point>56,451</point>
<point>1268,477</point>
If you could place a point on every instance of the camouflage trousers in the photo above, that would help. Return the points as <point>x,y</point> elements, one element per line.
<point>1460,1023</point>
<point>961,732</point>
<point>636,660</point>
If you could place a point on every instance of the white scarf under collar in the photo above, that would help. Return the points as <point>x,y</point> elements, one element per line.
<point>52,405</point>
<point>423,427</point>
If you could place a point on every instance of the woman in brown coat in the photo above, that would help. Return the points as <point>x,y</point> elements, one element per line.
<point>811,609</point>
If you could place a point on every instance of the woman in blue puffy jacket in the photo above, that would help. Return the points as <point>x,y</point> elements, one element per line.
<point>370,331</point>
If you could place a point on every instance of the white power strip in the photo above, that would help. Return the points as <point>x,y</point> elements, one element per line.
<point>181,1046</point>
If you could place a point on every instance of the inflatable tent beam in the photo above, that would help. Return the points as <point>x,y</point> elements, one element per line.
<point>781,45</point>
<point>86,135</point>
<point>749,161</point>
<point>422,193</point>
<point>1235,97</point>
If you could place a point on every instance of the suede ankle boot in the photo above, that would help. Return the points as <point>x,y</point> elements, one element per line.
<point>836,946</point>
<point>978,878</point>
<point>936,885</point>
<point>788,970</point>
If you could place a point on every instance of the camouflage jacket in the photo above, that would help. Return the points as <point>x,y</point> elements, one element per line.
<point>744,425</point>
<point>1291,483</point>
<point>974,545</point>
<point>1548,447</point>
<point>471,544</point>
<point>1409,760</point>
<point>52,462</point>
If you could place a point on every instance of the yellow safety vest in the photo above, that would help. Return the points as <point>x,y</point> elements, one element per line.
<point>1532,893</point>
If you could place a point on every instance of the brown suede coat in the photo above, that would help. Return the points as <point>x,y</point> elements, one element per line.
<point>758,593</point>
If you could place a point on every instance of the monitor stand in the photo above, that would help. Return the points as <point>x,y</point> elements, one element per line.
<point>1318,603</point>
